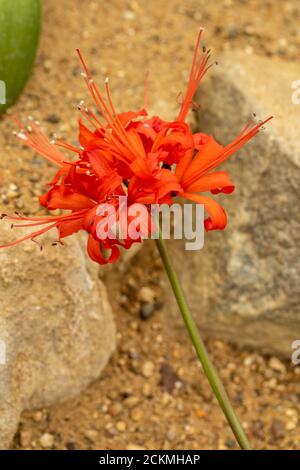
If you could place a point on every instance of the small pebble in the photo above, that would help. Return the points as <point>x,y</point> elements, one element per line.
<point>277,429</point>
<point>146,295</point>
<point>70,445</point>
<point>147,390</point>
<point>115,409</point>
<point>25,438</point>
<point>134,447</point>
<point>136,414</point>
<point>232,31</point>
<point>148,369</point>
<point>91,435</point>
<point>290,425</point>
<point>47,65</point>
<point>121,426</point>
<point>147,311</point>
<point>130,402</point>
<point>276,365</point>
<point>128,15</point>
<point>110,431</point>
<point>53,118</point>
<point>38,416</point>
<point>47,440</point>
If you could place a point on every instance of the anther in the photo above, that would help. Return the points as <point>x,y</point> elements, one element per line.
<point>21,135</point>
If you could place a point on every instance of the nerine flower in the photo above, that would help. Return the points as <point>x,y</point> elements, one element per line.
<point>146,159</point>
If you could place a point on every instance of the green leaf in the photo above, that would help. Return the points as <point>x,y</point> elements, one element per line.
<point>19,34</point>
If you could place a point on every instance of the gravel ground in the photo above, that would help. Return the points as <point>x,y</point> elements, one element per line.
<point>153,393</point>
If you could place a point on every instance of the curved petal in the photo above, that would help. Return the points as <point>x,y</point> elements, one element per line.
<point>95,253</point>
<point>207,154</point>
<point>217,182</point>
<point>63,198</point>
<point>200,139</point>
<point>126,117</point>
<point>217,219</point>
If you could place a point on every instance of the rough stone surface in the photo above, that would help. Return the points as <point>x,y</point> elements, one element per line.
<point>55,322</point>
<point>244,284</point>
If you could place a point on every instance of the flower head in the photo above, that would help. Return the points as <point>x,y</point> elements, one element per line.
<point>145,159</point>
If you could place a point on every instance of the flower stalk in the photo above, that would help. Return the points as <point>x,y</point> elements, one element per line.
<point>201,351</point>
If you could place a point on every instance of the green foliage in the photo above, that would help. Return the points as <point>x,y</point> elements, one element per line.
<point>19,34</point>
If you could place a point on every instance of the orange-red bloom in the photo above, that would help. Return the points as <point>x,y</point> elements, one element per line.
<point>148,160</point>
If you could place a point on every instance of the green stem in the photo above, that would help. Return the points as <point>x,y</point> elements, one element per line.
<point>208,367</point>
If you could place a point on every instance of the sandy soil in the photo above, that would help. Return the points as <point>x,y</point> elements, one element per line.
<point>153,394</point>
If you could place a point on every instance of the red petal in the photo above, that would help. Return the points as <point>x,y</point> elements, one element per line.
<point>216,182</point>
<point>217,219</point>
<point>208,154</point>
<point>128,116</point>
<point>62,198</point>
<point>85,135</point>
<point>95,253</point>
<point>68,227</point>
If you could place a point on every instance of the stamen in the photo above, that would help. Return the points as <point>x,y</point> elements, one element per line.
<point>200,66</point>
<point>37,243</point>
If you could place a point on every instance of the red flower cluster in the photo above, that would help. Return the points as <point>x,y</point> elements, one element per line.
<point>148,160</point>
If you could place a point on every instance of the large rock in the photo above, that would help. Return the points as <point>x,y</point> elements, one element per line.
<point>244,284</point>
<point>55,322</point>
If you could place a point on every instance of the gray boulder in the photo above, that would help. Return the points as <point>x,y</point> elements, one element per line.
<point>244,284</point>
<point>56,326</point>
